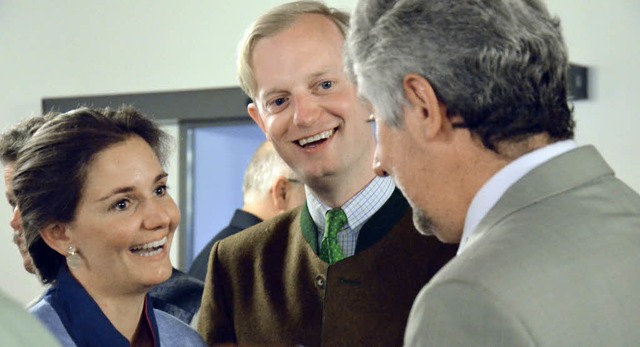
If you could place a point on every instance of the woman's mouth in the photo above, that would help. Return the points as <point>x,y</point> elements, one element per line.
<point>149,249</point>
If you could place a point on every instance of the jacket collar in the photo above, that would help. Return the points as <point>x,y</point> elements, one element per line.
<point>82,317</point>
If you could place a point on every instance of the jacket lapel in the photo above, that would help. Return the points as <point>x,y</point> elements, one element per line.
<point>553,177</point>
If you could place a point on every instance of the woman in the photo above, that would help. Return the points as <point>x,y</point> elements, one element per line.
<point>98,223</point>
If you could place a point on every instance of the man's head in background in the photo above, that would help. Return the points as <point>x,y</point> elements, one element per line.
<point>10,144</point>
<point>270,186</point>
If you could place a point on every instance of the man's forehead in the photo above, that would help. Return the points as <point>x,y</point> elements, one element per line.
<point>310,28</point>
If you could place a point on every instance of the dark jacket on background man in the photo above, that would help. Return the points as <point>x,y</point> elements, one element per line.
<point>241,220</point>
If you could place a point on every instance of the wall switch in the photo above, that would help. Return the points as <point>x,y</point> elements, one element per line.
<point>578,82</point>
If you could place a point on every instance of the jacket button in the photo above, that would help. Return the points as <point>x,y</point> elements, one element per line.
<point>321,281</point>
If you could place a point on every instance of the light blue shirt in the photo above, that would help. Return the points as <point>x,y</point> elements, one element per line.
<point>493,189</point>
<point>358,210</point>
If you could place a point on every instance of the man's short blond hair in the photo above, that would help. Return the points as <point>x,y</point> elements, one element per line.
<point>273,22</point>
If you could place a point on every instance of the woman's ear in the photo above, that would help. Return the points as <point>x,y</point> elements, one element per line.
<point>55,236</point>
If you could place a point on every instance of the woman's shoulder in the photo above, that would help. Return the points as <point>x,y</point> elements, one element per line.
<point>43,310</point>
<point>174,332</point>
<point>48,316</point>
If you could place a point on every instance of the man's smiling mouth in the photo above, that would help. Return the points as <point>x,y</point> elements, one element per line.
<point>316,138</point>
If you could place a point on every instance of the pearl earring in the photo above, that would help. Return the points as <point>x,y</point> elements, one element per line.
<point>73,259</point>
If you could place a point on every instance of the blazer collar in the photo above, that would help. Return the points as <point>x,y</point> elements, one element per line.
<point>556,176</point>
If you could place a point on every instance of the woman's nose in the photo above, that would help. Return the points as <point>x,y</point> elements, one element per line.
<point>156,215</point>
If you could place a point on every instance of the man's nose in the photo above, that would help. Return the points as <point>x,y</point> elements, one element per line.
<point>307,110</point>
<point>377,165</point>
<point>16,220</point>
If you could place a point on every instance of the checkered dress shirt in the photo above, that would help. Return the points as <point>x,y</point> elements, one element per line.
<point>358,210</point>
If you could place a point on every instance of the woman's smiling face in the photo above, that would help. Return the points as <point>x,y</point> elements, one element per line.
<point>124,222</point>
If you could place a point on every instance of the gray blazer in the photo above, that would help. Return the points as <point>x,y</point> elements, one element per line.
<point>556,263</point>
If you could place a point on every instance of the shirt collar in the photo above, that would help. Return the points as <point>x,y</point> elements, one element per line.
<point>359,208</point>
<point>497,185</point>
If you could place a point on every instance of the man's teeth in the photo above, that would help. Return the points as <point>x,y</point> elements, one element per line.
<point>149,249</point>
<point>322,136</point>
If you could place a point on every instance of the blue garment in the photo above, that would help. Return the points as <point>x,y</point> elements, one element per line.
<point>178,296</point>
<point>70,313</point>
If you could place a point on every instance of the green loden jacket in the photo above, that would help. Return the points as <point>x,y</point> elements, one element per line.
<point>267,286</point>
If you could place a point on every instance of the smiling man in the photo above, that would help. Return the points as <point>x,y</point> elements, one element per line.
<point>300,278</point>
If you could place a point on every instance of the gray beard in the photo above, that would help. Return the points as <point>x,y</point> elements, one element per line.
<point>423,223</point>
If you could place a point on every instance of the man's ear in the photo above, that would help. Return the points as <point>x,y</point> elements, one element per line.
<point>279,193</point>
<point>55,236</point>
<point>422,99</point>
<point>253,111</point>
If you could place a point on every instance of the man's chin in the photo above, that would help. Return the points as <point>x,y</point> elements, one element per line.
<point>426,226</point>
<point>423,223</point>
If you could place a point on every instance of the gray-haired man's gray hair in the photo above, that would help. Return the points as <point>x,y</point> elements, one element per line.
<point>499,64</point>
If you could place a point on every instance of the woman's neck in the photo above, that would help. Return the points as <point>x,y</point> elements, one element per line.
<point>123,305</point>
<point>126,314</point>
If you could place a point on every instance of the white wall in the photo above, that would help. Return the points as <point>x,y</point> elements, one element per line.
<point>70,48</point>
<point>67,48</point>
<point>604,36</point>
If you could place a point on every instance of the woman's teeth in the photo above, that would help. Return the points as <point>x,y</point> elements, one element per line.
<point>149,249</point>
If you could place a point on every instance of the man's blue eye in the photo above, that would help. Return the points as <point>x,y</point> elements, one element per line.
<point>326,84</point>
<point>278,101</point>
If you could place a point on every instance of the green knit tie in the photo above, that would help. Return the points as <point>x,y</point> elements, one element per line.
<point>330,250</point>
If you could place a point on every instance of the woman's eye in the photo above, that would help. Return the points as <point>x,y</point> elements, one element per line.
<point>121,205</point>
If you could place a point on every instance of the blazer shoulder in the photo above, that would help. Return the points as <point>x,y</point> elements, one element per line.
<point>458,313</point>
